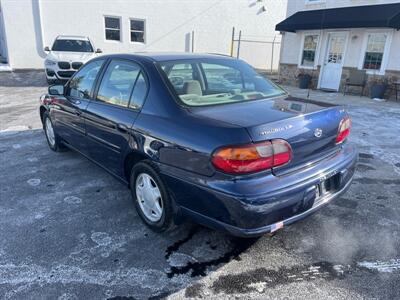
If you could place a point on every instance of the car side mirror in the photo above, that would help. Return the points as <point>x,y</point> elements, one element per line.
<point>98,50</point>
<point>56,90</point>
<point>47,49</point>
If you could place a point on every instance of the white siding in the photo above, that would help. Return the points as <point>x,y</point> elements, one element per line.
<point>168,24</point>
<point>292,41</point>
<point>394,58</point>
<point>19,33</point>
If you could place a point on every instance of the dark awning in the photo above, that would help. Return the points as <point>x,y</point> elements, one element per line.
<point>383,15</point>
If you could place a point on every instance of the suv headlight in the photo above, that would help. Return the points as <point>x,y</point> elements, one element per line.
<point>48,62</point>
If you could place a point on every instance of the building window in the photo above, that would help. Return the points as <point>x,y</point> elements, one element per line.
<point>137,30</point>
<point>374,52</point>
<point>309,50</point>
<point>113,28</point>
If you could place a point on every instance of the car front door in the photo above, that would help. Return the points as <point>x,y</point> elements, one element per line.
<point>110,116</point>
<point>69,113</point>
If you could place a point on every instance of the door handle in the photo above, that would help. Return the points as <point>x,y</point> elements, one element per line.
<point>78,112</point>
<point>122,127</point>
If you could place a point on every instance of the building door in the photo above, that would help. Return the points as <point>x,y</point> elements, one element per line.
<point>333,63</point>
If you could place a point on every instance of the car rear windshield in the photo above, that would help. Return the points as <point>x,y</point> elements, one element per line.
<point>211,81</point>
<point>72,46</point>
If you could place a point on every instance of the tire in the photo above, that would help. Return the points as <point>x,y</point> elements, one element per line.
<point>52,138</point>
<point>158,222</point>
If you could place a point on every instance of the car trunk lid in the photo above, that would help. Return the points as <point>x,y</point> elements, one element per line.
<point>310,127</point>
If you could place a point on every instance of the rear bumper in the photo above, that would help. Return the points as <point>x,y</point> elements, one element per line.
<point>250,206</point>
<point>254,232</point>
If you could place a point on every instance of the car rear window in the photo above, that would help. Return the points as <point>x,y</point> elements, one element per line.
<point>201,82</point>
<point>72,46</point>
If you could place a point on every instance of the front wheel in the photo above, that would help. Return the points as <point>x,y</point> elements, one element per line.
<point>151,198</point>
<point>52,138</point>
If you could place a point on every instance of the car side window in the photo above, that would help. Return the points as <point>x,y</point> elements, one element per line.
<point>139,92</point>
<point>80,86</point>
<point>118,82</point>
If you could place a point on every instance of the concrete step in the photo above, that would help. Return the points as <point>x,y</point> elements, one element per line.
<point>5,68</point>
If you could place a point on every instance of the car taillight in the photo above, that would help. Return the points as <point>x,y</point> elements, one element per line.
<point>344,130</point>
<point>252,157</point>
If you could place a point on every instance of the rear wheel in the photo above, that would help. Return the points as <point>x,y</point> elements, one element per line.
<point>53,140</point>
<point>152,201</point>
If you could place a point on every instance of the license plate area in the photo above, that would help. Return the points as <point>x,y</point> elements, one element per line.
<point>325,188</point>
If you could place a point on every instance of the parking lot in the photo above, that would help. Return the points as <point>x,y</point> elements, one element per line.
<point>69,230</point>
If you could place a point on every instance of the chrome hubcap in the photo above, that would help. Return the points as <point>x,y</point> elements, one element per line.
<point>50,132</point>
<point>149,197</point>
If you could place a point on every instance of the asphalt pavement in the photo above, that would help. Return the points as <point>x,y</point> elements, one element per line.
<point>69,230</point>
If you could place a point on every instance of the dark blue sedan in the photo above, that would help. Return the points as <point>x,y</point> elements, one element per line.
<point>203,137</point>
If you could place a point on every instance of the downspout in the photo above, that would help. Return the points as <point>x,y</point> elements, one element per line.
<point>37,25</point>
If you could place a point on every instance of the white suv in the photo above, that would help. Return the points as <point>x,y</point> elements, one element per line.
<point>66,56</point>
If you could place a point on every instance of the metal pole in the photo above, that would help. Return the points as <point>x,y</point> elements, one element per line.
<point>232,40</point>
<point>272,54</point>
<point>282,40</point>
<point>238,47</point>
<point>192,40</point>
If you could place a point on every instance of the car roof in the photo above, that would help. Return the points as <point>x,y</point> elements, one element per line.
<point>72,37</point>
<point>167,56</point>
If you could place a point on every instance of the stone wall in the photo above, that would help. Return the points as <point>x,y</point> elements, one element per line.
<point>288,75</point>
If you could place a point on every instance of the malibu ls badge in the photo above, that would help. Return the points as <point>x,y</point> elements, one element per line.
<point>274,130</point>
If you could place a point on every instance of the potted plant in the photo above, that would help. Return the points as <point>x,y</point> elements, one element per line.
<point>304,80</point>
<point>378,87</point>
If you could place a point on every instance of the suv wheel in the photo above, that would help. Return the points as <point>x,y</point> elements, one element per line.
<point>152,201</point>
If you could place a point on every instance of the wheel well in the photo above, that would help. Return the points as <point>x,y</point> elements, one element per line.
<point>130,160</point>
<point>42,111</point>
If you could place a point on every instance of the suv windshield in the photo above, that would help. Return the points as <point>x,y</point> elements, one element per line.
<point>72,45</point>
<point>209,81</point>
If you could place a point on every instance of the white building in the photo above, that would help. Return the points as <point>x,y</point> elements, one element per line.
<point>329,38</point>
<point>27,26</point>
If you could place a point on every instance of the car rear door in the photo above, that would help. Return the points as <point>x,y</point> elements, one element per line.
<point>68,115</point>
<point>110,116</point>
